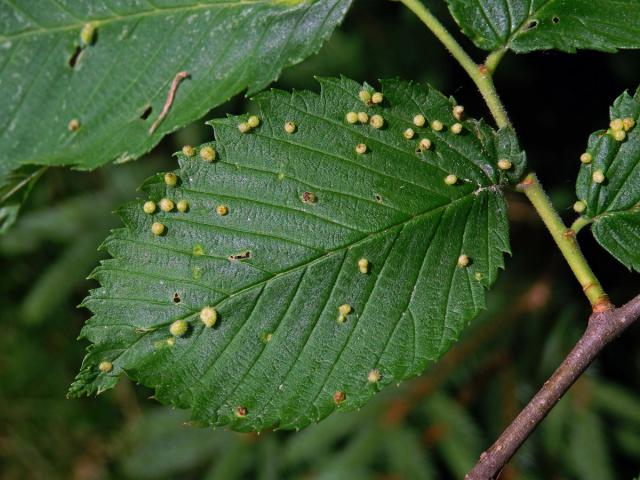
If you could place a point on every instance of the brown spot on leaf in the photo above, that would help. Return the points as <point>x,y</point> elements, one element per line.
<point>240,256</point>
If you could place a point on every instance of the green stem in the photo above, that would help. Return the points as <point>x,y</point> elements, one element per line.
<point>580,223</point>
<point>493,59</point>
<point>566,241</point>
<point>480,74</point>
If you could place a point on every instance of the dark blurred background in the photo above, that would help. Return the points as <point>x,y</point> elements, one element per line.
<point>433,427</point>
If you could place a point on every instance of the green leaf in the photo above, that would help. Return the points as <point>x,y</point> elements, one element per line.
<point>14,191</point>
<point>614,205</point>
<point>146,452</point>
<point>407,456</point>
<point>460,443</point>
<point>588,448</point>
<point>303,209</point>
<point>567,25</point>
<point>127,67</point>
<point>616,402</point>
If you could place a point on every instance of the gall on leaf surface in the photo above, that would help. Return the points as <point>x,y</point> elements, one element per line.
<point>567,25</point>
<point>300,326</point>
<point>83,82</point>
<point>613,205</point>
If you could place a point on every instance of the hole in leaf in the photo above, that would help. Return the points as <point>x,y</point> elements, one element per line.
<point>531,25</point>
<point>555,20</point>
<point>73,59</point>
<point>176,298</point>
<point>378,198</point>
<point>147,111</point>
<point>240,256</point>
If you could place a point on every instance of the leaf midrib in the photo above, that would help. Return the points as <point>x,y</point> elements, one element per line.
<point>328,254</point>
<point>153,12</point>
<point>517,31</point>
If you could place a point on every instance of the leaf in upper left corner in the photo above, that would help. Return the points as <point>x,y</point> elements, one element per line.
<point>81,83</point>
<point>613,205</point>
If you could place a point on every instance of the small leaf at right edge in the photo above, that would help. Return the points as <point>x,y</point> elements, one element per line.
<point>303,207</point>
<point>567,25</point>
<point>614,205</point>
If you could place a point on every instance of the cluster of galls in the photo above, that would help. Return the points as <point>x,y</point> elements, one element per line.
<point>618,129</point>
<point>167,205</point>
<point>419,120</point>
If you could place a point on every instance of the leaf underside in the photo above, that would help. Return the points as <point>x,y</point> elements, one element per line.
<point>120,81</point>
<point>614,205</point>
<point>277,268</point>
<point>567,25</point>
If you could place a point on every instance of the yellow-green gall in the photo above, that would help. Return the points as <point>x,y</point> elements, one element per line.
<point>586,158</point>
<point>376,121</point>
<point>157,228</point>
<point>619,135</point>
<point>208,316</point>
<point>377,98</point>
<point>74,125</point>
<point>188,151</point>
<point>88,33</point>
<point>207,153</point>
<point>628,123</point>
<point>253,121</point>
<point>425,144</point>
<point>170,341</point>
<point>451,179</point>
<point>504,164</point>
<point>222,210</point>
<point>170,179</point>
<point>363,117</point>
<point>166,205</point>
<point>363,265</point>
<point>182,206</point>
<point>598,176</point>
<point>437,125</point>
<point>374,376</point>
<point>351,117</point>
<point>456,128</point>
<point>178,328</point>
<point>344,309</point>
<point>616,124</point>
<point>290,127</point>
<point>579,206</point>
<point>149,207</point>
<point>361,148</point>
<point>419,120</point>
<point>458,112</point>
<point>105,366</point>
<point>463,261</point>
<point>244,127</point>
<point>408,133</point>
<point>365,96</point>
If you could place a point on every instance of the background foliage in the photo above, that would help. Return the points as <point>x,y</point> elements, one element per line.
<point>433,427</point>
